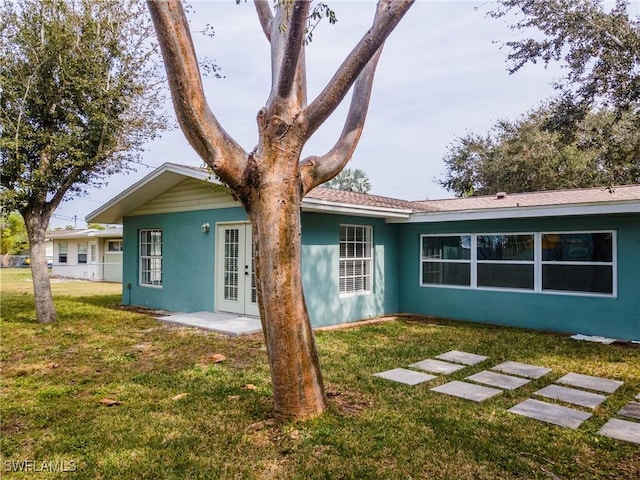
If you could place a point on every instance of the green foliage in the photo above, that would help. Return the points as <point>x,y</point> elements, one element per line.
<point>14,234</point>
<point>54,377</point>
<point>598,46</point>
<point>350,180</point>
<point>530,154</point>
<point>78,96</point>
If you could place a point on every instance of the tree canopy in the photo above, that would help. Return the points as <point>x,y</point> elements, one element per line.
<point>79,98</point>
<point>598,46</point>
<point>13,234</point>
<point>527,155</point>
<point>351,180</point>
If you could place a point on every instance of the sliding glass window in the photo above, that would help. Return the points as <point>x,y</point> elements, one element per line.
<point>446,260</point>
<point>578,262</point>
<point>505,261</point>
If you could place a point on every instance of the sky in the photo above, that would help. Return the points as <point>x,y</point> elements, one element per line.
<point>443,74</point>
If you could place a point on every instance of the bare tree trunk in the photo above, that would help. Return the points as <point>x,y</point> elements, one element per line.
<point>36,228</point>
<point>298,390</point>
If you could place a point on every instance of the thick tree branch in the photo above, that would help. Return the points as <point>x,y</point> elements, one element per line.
<point>198,123</point>
<point>292,48</point>
<point>265,15</point>
<point>388,14</point>
<point>317,170</point>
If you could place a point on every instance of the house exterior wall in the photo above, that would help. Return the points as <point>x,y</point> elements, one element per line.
<point>188,263</point>
<point>617,317</point>
<point>73,269</point>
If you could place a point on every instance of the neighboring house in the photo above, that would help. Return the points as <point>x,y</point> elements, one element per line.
<point>559,260</point>
<point>89,254</point>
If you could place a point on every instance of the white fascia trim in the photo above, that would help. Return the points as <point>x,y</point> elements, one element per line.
<point>315,205</point>
<point>165,167</point>
<point>522,212</point>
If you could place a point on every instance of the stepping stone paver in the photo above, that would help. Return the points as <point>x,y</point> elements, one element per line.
<point>598,384</point>
<point>550,413</point>
<point>437,366</point>
<point>571,395</point>
<point>402,375</point>
<point>632,410</point>
<point>499,380</point>
<point>468,391</point>
<point>462,357</point>
<point>621,430</point>
<point>522,369</point>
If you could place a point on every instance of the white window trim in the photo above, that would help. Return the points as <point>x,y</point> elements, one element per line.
<point>439,260</point>
<point>537,264</point>
<point>140,257</point>
<point>370,259</point>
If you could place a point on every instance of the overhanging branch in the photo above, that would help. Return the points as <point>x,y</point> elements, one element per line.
<point>388,14</point>
<point>317,170</point>
<point>293,45</point>
<point>265,15</point>
<point>198,123</point>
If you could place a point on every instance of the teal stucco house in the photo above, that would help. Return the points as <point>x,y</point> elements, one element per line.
<point>565,261</point>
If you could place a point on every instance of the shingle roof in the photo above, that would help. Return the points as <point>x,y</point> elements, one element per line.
<point>584,196</point>
<point>353,198</point>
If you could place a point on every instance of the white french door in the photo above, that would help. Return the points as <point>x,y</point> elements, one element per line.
<point>94,266</point>
<point>235,276</point>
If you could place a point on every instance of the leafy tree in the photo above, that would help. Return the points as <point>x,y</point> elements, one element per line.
<point>14,234</point>
<point>351,180</point>
<point>599,48</point>
<point>271,179</point>
<point>78,99</point>
<point>527,155</point>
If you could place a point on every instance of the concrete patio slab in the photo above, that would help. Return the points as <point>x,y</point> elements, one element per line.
<point>499,380</point>
<point>550,413</point>
<point>598,384</point>
<point>631,410</point>
<point>468,391</point>
<point>437,366</point>
<point>621,430</point>
<point>220,322</point>
<point>522,369</point>
<point>402,375</point>
<point>465,358</point>
<point>571,395</point>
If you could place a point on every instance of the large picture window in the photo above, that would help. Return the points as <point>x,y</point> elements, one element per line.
<point>505,261</point>
<point>355,271</point>
<point>446,260</point>
<point>581,262</point>
<point>151,257</point>
<point>576,262</point>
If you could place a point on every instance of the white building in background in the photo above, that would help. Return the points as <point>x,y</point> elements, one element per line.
<point>88,254</point>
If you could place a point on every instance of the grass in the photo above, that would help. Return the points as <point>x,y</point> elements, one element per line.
<point>55,376</point>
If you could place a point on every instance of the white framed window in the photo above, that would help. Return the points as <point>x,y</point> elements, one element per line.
<point>356,259</point>
<point>151,257</point>
<point>83,247</point>
<point>114,246</point>
<point>505,261</point>
<point>577,263</point>
<point>63,249</point>
<point>446,260</point>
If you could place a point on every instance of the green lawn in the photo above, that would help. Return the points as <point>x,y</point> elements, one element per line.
<point>55,376</point>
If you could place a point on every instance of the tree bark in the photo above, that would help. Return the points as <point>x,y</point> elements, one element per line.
<point>36,227</point>
<point>270,181</point>
<point>298,390</point>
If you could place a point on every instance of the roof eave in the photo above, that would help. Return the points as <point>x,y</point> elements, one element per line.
<point>524,212</point>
